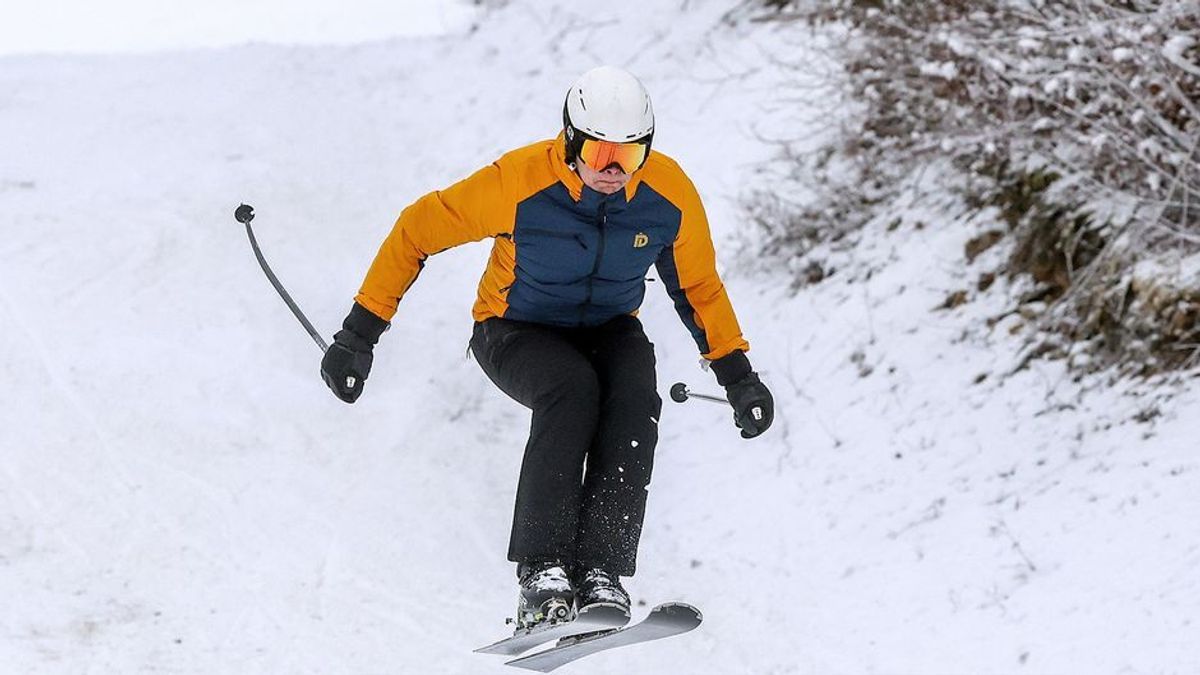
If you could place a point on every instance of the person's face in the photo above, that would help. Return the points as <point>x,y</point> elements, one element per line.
<point>605,182</point>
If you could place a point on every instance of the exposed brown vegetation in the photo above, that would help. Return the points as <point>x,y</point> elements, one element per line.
<point>1076,123</point>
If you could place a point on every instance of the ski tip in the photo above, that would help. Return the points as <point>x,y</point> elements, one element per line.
<point>679,608</point>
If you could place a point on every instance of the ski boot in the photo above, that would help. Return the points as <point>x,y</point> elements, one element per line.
<point>546,594</point>
<point>595,588</point>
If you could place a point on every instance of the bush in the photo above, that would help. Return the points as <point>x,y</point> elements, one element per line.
<point>1079,121</point>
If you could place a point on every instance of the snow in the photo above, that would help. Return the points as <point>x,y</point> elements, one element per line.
<point>946,70</point>
<point>1175,49</point>
<point>78,26</point>
<point>180,493</point>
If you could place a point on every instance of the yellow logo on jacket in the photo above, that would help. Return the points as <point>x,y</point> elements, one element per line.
<point>640,240</point>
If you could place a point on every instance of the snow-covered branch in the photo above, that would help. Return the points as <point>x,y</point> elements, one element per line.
<point>1078,119</point>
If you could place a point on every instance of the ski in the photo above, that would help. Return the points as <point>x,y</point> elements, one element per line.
<point>587,621</point>
<point>665,620</point>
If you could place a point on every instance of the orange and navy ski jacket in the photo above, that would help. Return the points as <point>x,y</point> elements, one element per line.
<point>564,254</point>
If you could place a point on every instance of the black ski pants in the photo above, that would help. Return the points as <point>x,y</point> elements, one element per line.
<point>581,497</point>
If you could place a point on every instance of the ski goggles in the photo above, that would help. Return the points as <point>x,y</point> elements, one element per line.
<point>600,155</point>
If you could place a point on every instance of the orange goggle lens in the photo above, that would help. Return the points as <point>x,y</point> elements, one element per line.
<point>602,154</point>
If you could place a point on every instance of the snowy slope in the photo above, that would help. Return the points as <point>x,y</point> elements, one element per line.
<point>179,492</point>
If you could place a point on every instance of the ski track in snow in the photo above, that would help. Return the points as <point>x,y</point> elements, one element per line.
<point>181,494</point>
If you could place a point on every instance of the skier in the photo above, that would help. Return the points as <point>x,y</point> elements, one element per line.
<point>577,221</point>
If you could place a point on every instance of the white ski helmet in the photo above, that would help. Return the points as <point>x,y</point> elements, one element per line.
<point>607,104</point>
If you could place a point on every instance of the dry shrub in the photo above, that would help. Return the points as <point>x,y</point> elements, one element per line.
<point>1078,122</point>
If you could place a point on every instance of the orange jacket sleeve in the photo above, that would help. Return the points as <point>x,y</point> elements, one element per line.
<point>689,270</point>
<point>470,210</point>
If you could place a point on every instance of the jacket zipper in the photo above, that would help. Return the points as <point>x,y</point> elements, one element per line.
<point>601,220</point>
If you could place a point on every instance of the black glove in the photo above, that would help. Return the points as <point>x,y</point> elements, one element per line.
<point>347,362</point>
<point>753,406</point>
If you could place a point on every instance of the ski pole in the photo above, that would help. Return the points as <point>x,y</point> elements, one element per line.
<point>244,214</point>
<point>680,393</point>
